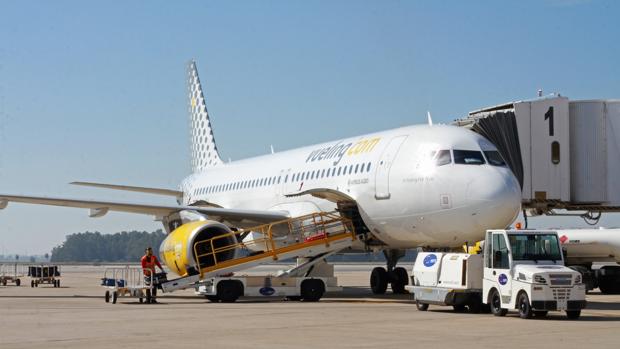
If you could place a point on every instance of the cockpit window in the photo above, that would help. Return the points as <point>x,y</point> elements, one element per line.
<point>443,158</point>
<point>494,158</point>
<point>468,157</point>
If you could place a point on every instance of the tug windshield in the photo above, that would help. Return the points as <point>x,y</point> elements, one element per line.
<point>535,247</point>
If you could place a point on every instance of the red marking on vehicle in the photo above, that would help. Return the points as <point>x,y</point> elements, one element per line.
<point>315,237</point>
<point>563,239</point>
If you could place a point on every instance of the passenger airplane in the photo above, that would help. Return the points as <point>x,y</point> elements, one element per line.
<point>433,186</point>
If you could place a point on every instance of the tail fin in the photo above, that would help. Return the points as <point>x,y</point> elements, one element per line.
<point>204,149</point>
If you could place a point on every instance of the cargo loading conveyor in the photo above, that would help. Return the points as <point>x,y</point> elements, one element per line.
<point>314,236</point>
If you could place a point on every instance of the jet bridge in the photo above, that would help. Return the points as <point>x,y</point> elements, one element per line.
<point>565,153</point>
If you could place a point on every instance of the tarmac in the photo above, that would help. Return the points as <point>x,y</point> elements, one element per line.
<point>76,316</point>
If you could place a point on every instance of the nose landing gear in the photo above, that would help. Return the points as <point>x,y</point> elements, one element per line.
<point>397,277</point>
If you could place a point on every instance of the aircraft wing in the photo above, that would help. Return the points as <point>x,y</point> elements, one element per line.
<point>156,191</point>
<point>241,218</point>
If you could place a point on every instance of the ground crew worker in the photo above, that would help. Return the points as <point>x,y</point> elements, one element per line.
<point>149,261</point>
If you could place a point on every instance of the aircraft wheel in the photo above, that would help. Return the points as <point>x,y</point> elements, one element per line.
<point>378,280</point>
<point>400,279</point>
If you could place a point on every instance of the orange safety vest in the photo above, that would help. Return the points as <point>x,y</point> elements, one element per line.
<point>148,264</point>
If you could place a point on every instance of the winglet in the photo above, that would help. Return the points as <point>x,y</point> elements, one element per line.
<point>430,119</point>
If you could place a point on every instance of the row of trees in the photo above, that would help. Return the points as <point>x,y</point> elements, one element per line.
<point>97,247</point>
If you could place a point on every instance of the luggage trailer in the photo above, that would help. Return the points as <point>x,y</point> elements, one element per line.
<point>11,273</point>
<point>129,282</point>
<point>44,274</point>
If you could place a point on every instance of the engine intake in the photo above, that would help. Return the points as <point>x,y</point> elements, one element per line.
<point>177,250</point>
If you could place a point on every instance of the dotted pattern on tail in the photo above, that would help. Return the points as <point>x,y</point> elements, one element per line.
<point>204,149</point>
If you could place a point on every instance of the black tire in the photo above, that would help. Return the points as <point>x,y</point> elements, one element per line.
<point>149,298</point>
<point>31,283</point>
<point>312,290</point>
<point>496,304</point>
<point>212,299</point>
<point>474,305</point>
<point>378,280</point>
<point>421,306</point>
<point>573,314</point>
<point>3,282</point>
<point>58,283</point>
<point>608,286</point>
<point>140,300</point>
<point>107,296</point>
<point>400,280</point>
<point>459,308</point>
<point>523,304</point>
<point>114,297</point>
<point>54,283</point>
<point>540,313</point>
<point>228,291</point>
<point>18,282</point>
<point>36,284</point>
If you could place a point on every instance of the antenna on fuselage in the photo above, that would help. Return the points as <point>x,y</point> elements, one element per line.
<point>430,119</point>
<point>272,149</point>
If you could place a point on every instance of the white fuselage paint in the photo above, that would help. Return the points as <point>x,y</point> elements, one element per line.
<point>405,199</point>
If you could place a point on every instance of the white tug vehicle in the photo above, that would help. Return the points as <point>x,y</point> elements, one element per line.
<point>519,269</point>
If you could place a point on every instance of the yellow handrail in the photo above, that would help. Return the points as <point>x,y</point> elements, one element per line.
<point>331,228</point>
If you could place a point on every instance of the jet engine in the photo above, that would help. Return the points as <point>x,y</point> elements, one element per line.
<point>177,249</point>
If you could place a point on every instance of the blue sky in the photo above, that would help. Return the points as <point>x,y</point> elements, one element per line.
<point>96,91</point>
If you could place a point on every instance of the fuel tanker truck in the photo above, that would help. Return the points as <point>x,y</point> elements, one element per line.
<point>594,253</point>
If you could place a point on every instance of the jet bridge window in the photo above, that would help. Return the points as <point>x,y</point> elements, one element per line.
<point>494,158</point>
<point>468,157</point>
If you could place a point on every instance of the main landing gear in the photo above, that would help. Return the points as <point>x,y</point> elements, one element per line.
<point>396,276</point>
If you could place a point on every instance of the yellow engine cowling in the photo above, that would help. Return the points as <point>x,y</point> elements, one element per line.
<point>177,249</point>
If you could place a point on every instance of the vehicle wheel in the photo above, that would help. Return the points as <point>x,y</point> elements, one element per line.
<point>140,300</point>
<point>3,282</point>
<point>228,291</point>
<point>573,314</point>
<point>421,306</point>
<point>58,283</point>
<point>474,305</point>
<point>31,283</point>
<point>496,304</point>
<point>459,308</point>
<point>114,297</point>
<point>18,282</point>
<point>36,284</point>
<point>54,283</point>
<point>401,279</point>
<point>540,313</point>
<point>107,296</point>
<point>212,299</point>
<point>148,297</point>
<point>378,280</point>
<point>525,309</point>
<point>609,287</point>
<point>312,290</point>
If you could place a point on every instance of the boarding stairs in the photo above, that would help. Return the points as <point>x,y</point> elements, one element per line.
<point>314,235</point>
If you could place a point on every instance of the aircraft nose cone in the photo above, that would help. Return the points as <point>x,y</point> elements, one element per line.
<point>496,198</point>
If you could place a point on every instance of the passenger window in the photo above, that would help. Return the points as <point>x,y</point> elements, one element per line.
<point>500,252</point>
<point>468,157</point>
<point>494,158</point>
<point>356,167</point>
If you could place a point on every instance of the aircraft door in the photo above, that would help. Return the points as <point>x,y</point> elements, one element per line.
<point>382,174</point>
<point>286,179</point>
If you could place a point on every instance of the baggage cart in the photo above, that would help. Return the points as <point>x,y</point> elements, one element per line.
<point>44,274</point>
<point>11,273</point>
<point>128,282</point>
